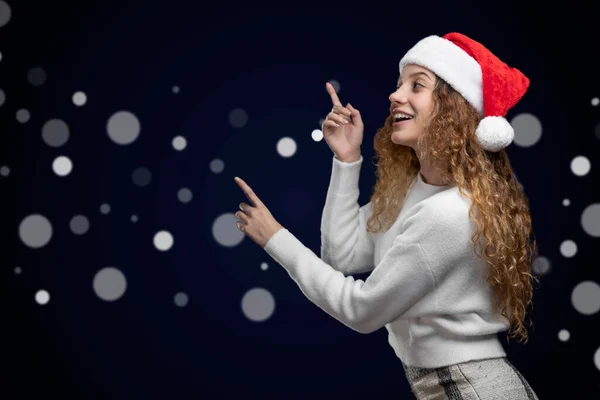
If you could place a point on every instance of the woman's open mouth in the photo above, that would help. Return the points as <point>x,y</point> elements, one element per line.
<point>402,122</point>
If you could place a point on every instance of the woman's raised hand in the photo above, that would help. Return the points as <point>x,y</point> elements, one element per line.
<point>343,129</point>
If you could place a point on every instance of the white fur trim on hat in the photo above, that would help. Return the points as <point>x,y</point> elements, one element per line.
<point>452,64</point>
<point>494,133</point>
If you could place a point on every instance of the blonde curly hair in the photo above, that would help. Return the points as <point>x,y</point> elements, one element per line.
<point>499,207</point>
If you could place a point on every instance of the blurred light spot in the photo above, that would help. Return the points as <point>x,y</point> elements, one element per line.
<point>36,76</point>
<point>258,304</point>
<point>181,299</point>
<point>42,297</point>
<point>123,127</point>
<point>55,132</point>
<point>566,202</point>
<point>79,224</point>
<point>568,248</point>
<point>336,85</point>
<point>5,13</point>
<point>226,232</point>
<point>317,135</point>
<point>62,166</point>
<point>141,176</point>
<point>238,118</point>
<point>23,115</point>
<point>79,98</point>
<point>4,170</point>
<point>179,143</point>
<point>580,165</point>
<point>541,265</point>
<point>528,129</point>
<point>286,147</point>
<point>564,335</point>
<point>184,195</point>
<point>217,166</point>
<point>109,284</point>
<point>590,220</point>
<point>35,231</point>
<point>104,208</point>
<point>163,240</point>
<point>586,297</point>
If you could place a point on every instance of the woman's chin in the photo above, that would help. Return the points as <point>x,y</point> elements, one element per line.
<point>399,138</point>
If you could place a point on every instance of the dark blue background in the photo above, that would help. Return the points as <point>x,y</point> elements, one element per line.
<point>273,62</point>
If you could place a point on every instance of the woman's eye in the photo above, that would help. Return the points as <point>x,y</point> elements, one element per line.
<point>415,85</point>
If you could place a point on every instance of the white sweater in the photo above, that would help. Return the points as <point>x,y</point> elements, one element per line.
<point>427,286</point>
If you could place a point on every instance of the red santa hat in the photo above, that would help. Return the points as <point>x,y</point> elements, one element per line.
<point>488,84</point>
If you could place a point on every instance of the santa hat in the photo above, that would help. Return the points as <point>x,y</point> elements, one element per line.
<point>488,84</point>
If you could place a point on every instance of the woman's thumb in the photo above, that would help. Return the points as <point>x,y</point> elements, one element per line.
<point>355,114</point>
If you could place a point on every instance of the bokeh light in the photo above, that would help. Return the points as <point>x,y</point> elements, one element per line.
<point>258,304</point>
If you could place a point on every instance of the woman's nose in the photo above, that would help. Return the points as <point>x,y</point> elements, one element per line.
<point>397,97</point>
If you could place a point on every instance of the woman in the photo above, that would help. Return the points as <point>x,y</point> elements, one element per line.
<point>446,233</point>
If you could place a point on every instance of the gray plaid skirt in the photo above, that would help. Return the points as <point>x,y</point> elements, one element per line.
<point>490,379</point>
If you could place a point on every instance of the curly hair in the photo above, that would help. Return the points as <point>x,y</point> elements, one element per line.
<point>499,207</point>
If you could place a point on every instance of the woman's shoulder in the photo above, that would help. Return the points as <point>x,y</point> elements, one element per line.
<point>446,212</point>
<point>450,202</point>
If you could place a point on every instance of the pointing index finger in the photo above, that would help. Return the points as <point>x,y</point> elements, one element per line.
<point>334,98</point>
<point>248,192</point>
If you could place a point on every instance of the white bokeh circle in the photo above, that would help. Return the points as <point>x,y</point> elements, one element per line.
<point>564,335</point>
<point>286,147</point>
<point>258,304</point>
<point>42,297</point>
<point>568,248</point>
<point>163,240</point>
<point>580,165</point>
<point>586,297</point>
<point>62,166</point>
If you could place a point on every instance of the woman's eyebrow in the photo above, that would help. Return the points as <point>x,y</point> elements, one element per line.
<point>416,73</point>
<point>421,73</point>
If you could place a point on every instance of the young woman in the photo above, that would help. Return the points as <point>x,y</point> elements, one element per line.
<point>447,233</point>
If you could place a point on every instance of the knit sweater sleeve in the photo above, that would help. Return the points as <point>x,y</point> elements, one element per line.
<point>399,281</point>
<point>345,244</point>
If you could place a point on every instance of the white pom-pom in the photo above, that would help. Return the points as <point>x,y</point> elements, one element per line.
<point>494,133</point>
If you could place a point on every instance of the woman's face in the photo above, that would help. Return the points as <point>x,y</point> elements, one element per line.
<point>414,97</point>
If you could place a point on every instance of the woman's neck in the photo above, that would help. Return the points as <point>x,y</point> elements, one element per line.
<point>430,175</point>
